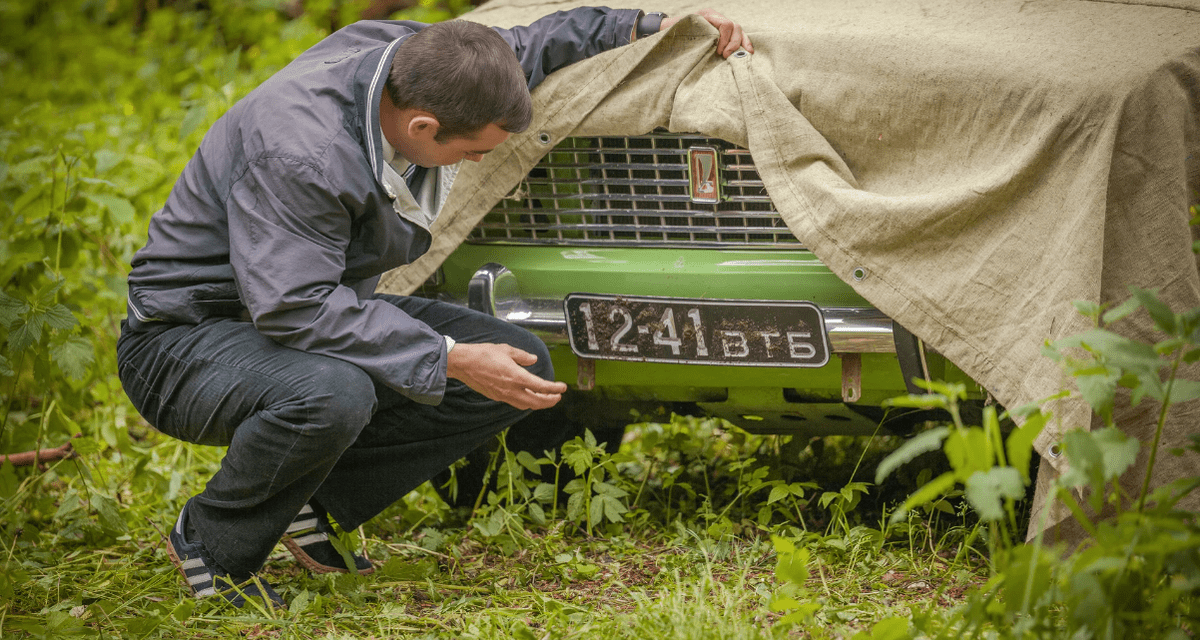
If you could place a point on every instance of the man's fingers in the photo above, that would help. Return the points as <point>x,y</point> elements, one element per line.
<point>535,384</point>
<point>534,400</point>
<point>734,42</point>
<point>732,36</point>
<point>522,357</point>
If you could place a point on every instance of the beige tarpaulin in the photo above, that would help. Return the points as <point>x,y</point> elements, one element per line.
<point>986,163</point>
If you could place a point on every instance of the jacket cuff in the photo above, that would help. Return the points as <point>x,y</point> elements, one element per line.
<point>626,25</point>
<point>648,24</point>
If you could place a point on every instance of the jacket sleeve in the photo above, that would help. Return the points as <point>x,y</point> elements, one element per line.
<point>288,236</point>
<point>566,37</point>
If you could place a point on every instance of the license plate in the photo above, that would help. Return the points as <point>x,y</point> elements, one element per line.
<point>756,333</point>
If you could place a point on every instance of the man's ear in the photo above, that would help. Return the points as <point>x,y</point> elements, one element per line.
<point>423,126</point>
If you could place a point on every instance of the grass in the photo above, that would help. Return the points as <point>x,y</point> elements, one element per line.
<point>652,576</point>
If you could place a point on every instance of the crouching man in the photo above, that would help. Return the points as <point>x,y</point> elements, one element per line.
<point>253,319</point>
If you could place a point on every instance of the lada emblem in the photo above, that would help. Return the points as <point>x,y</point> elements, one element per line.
<point>704,175</point>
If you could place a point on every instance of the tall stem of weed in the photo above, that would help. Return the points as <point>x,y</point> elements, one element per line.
<point>1158,430</point>
<point>18,365</point>
<point>554,503</point>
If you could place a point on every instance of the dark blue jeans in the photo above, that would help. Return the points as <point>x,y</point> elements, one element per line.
<point>303,427</point>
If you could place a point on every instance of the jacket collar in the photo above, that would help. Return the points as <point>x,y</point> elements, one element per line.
<point>374,85</point>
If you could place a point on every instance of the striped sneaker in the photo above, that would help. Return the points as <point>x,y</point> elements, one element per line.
<point>308,540</point>
<point>206,578</point>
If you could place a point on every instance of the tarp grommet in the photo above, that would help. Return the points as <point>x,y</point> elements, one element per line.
<point>544,138</point>
<point>741,53</point>
<point>859,274</point>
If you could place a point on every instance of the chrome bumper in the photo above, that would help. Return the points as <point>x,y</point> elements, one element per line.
<point>494,290</point>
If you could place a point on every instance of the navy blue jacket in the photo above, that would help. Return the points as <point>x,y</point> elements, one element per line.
<point>281,217</point>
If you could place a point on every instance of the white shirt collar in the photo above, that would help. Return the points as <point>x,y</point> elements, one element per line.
<point>391,157</point>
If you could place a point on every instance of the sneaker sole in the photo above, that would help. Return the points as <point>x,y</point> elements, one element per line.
<point>312,565</point>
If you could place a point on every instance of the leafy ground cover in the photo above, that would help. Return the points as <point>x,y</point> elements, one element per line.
<point>693,530</point>
<point>711,571</point>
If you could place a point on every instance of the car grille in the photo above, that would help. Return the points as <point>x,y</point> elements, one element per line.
<point>634,191</point>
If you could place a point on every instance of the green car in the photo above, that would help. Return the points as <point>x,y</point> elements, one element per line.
<point>661,277</point>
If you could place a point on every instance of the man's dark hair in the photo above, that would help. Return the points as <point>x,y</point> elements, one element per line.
<point>463,73</point>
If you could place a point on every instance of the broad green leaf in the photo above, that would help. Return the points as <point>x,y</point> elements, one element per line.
<point>109,512</point>
<point>596,512</point>
<point>59,317</point>
<point>780,604</point>
<point>11,309</point>
<point>802,613</point>
<point>1122,310</point>
<point>544,492</point>
<point>1184,391</point>
<point>25,334</point>
<point>31,195</point>
<point>575,506</point>
<point>529,462</point>
<point>68,505</point>
<point>106,159</point>
<point>1117,349</point>
<point>893,628</point>
<point>1019,446</point>
<point>146,173</point>
<point>536,514</point>
<point>919,444</point>
<point>74,357</point>
<point>778,492</point>
<point>606,489</point>
<point>1099,389</point>
<point>184,609</point>
<point>1086,468</point>
<point>1087,308</point>
<point>935,489</point>
<point>792,567</point>
<point>969,450</point>
<point>613,509</point>
<point>1119,451</point>
<point>1163,318</point>
<point>47,294</point>
<point>192,120</point>
<point>120,209</point>
<point>6,369</point>
<point>1168,346</point>
<point>782,545</point>
<point>987,490</point>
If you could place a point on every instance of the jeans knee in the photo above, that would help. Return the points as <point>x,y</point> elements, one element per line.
<point>340,404</point>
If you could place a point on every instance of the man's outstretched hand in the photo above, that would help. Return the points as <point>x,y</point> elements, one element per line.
<point>732,37</point>
<point>495,371</point>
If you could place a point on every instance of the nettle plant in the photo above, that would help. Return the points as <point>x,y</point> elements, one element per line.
<point>1138,573</point>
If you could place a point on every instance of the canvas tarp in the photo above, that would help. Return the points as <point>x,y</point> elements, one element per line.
<point>986,163</point>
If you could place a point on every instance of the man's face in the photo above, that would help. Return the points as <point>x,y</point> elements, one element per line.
<point>428,152</point>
